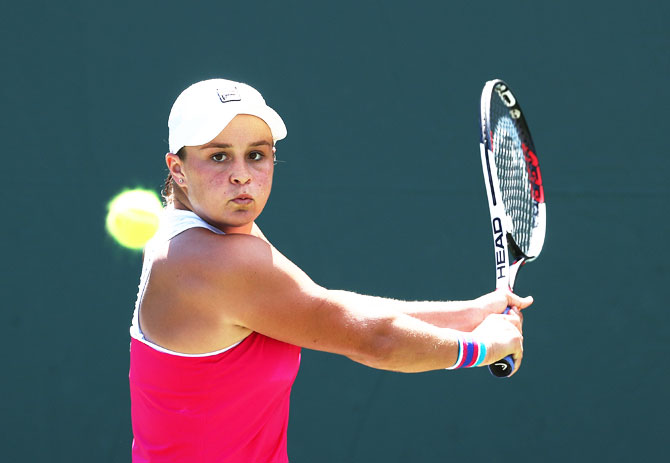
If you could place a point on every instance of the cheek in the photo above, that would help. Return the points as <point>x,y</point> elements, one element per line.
<point>263,177</point>
<point>265,182</point>
<point>215,180</point>
<point>207,188</point>
<point>219,179</point>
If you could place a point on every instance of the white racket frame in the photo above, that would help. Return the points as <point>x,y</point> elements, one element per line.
<point>506,271</point>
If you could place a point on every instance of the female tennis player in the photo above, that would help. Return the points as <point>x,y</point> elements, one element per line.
<point>221,315</point>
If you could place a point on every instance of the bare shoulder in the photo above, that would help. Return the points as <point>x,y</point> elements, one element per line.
<point>195,285</point>
<point>216,259</point>
<point>239,278</point>
<point>199,250</point>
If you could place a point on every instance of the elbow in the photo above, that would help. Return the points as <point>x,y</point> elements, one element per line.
<point>379,349</point>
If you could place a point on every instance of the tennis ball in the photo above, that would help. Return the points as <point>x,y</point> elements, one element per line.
<point>132,217</point>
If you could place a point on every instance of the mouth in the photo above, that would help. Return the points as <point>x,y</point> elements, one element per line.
<point>243,199</point>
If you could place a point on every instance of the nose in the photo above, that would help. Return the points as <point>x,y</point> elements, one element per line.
<point>240,174</point>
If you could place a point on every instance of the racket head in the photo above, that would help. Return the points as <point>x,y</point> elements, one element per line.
<point>514,181</point>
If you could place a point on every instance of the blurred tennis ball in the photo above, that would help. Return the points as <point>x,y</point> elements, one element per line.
<point>132,217</point>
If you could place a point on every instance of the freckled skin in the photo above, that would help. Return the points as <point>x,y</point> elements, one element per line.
<point>239,161</point>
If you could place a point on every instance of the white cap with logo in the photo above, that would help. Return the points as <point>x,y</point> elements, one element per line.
<point>205,108</point>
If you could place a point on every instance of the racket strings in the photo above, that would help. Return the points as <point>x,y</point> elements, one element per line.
<point>512,173</point>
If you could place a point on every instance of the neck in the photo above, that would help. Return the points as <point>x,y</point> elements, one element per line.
<point>244,230</point>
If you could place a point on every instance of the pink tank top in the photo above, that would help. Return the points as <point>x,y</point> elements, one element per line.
<point>230,406</point>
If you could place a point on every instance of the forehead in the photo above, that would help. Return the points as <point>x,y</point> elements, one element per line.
<point>244,128</point>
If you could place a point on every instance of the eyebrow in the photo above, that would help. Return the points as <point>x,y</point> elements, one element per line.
<point>227,145</point>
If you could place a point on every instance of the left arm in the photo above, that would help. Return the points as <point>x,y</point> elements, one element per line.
<point>456,315</point>
<point>460,315</point>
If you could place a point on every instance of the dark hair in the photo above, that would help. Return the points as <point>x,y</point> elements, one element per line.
<point>168,186</point>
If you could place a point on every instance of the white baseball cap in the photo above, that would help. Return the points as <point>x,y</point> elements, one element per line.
<point>205,108</point>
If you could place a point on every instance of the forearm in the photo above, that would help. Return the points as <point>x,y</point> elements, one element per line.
<point>394,340</point>
<point>456,315</point>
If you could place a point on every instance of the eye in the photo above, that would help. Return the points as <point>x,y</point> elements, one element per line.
<point>219,157</point>
<point>256,155</point>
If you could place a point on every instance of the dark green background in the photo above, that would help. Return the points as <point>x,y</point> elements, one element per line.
<point>379,191</point>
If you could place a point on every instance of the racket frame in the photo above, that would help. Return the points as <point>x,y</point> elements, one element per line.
<point>507,255</point>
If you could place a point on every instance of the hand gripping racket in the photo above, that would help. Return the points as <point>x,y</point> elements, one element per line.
<point>514,189</point>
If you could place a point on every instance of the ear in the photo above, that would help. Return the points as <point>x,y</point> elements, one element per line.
<point>175,166</point>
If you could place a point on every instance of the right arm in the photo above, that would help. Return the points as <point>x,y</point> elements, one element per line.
<point>245,282</point>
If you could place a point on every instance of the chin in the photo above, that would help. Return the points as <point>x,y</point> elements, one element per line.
<point>237,222</point>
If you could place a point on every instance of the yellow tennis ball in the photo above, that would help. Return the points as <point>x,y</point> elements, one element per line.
<point>132,217</point>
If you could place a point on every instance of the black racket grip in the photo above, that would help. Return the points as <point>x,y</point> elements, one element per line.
<point>504,367</point>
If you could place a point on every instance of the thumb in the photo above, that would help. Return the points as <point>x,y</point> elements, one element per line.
<point>514,300</point>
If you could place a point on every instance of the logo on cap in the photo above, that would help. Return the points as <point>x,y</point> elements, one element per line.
<point>230,95</point>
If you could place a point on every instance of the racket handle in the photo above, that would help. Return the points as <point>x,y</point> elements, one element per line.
<point>504,367</point>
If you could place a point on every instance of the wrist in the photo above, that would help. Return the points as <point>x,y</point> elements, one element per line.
<point>471,352</point>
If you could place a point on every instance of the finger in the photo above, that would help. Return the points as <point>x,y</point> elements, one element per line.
<point>518,301</point>
<point>514,319</point>
<point>514,312</point>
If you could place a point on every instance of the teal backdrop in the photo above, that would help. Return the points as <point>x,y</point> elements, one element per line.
<point>378,190</point>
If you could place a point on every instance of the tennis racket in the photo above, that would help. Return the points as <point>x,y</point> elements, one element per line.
<point>514,190</point>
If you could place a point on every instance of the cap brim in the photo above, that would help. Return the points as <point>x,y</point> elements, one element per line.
<point>211,127</point>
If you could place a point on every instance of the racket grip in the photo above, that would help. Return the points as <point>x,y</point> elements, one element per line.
<point>504,367</point>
